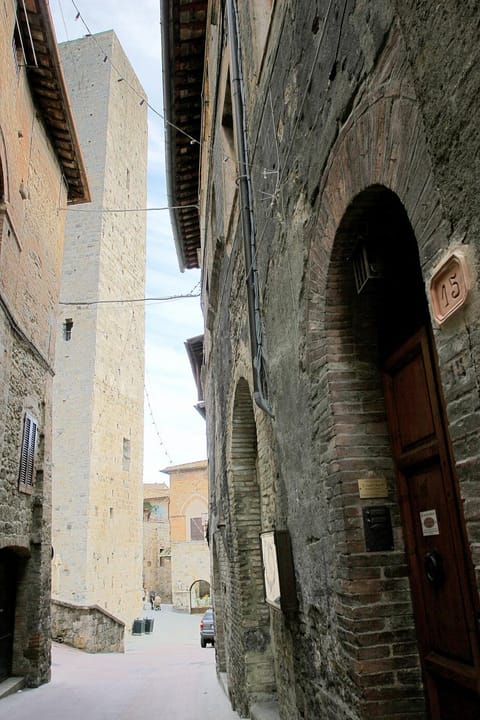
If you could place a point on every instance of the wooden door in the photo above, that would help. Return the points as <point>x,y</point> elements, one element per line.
<point>441,576</point>
<point>7,611</point>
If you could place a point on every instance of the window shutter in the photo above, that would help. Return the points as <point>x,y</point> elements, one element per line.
<point>197,531</point>
<point>27,456</point>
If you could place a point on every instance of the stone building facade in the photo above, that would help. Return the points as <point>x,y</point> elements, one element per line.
<point>157,562</point>
<point>189,549</point>
<point>99,385</point>
<point>41,170</point>
<point>338,146</point>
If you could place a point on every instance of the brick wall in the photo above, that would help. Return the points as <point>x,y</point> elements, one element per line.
<point>345,126</point>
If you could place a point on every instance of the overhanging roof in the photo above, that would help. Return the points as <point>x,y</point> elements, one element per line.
<point>194,348</point>
<point>50,94</point>
<point>183,47</point>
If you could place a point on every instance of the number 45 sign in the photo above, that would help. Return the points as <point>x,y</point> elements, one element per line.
<point>449,287</point>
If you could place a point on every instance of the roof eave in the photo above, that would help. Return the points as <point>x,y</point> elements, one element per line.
<point>45,43</point>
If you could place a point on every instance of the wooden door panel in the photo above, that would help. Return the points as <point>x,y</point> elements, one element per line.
<point>444,597</point>
<point>411,392</point>
<point>457,703</point>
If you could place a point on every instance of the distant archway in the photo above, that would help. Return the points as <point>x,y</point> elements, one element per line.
<point>200,596</point>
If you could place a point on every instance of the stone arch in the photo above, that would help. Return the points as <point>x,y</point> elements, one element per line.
<point>378,176</point>
<point>248,643</point>
<point>199,595</point>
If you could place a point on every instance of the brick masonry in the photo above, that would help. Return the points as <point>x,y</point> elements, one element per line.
<point>355,114</point>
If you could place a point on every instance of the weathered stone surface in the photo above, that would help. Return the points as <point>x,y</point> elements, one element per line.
<point>357,114</point>
<point>33,198</point>
<point>87,628</point>
<point>99,382</point>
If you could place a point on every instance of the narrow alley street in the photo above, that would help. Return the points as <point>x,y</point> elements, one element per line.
<point>164,675</point>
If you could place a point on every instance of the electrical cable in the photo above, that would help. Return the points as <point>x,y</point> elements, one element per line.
<point>123,210</point>
<point>143,100</point>
<point>131,300</point>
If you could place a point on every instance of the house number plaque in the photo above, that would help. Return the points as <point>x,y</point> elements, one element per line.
<point>449,287</point>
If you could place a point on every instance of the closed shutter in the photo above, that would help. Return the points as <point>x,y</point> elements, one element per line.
<point>27,456</point>
<point>197,531</point>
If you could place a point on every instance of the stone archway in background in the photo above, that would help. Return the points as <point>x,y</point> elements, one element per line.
<point>200,596</point>
<point>248,641</point>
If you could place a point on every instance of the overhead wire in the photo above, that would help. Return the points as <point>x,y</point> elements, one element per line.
<point>195,291</point>
<point>154,422</point>
<point>124,210</point>
<point>143,99</point>
<point>131,300</point>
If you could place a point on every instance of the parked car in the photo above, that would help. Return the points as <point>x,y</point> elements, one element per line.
<point>207,628</point>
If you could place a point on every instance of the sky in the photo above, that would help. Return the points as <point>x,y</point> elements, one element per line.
<point>174,430</point>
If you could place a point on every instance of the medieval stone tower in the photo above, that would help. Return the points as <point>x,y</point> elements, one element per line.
<point>98,388</point>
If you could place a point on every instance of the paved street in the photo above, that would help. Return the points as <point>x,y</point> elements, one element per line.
<point>162,676</point>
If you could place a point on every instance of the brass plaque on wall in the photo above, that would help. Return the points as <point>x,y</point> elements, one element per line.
<point>375,487</point>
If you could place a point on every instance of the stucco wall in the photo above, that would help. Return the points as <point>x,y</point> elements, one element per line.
<point>190,559</point>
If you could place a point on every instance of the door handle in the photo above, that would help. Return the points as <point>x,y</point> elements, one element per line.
<point>434,569</point>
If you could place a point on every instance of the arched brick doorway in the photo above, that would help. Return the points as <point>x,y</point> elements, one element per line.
<point>378,175</point>
<point>389,423</point>
<point>248,643</point>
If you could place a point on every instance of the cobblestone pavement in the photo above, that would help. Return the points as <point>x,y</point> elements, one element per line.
<point>164,675</point>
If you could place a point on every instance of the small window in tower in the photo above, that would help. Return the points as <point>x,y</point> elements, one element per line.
<point>126,454</point>
<point>197,531</point>
<point>27,455</point>
<point>67,329</point>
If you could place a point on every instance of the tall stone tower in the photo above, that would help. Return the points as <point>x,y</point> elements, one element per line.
<point>99,383</point>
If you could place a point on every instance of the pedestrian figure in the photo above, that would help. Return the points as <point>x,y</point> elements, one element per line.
<point>157,603</point>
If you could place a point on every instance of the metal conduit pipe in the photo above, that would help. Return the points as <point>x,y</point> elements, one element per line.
<point>246,209</point>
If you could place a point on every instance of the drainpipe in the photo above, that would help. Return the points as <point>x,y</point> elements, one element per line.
<point>246,209</point>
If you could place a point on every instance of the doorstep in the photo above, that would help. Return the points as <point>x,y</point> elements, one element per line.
<point>11,685</point>
<point>264,710</point>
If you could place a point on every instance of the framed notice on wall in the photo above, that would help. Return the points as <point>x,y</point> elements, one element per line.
<point>278,571</point>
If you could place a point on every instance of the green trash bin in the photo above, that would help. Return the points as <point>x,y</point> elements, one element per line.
<point>148,626</point>
<point>138,626</point>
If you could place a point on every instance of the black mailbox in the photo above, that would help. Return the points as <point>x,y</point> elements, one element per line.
<point>377,527</point>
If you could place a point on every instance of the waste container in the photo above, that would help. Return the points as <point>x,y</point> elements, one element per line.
<point>148,625</point>
<point>138,626</point>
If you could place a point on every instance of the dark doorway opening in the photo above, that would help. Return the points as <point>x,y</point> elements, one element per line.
<point>8,582</point>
